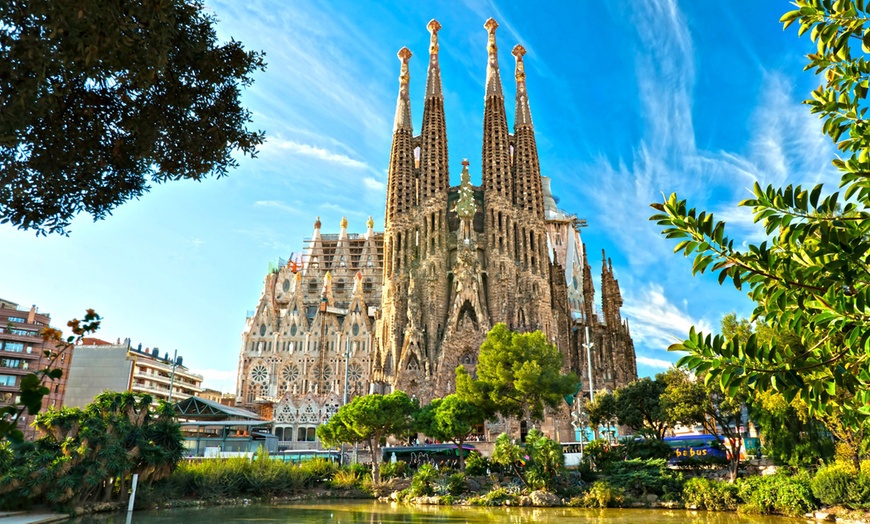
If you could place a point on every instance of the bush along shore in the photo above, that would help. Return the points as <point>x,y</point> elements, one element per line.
<point>531,475</point>
<point>837,490</point>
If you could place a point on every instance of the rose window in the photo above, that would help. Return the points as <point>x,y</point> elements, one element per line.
<point>323,373</point>
<point>260,374</point>
<point>290,373</point>
<point>354,373</point>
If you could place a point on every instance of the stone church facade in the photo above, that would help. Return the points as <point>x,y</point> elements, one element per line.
<point>402,308</point>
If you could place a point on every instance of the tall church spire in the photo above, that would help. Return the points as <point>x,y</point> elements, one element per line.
<point>496,140</point>
<point>400,179</point>
<point>611,298</point>
<point>528,193</point>
<point>434,171</point>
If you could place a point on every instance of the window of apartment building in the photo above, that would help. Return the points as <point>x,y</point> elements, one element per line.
<point>13,363</point>
<point>20,320</point>
<point>15,347</point>
<point>7,380</point>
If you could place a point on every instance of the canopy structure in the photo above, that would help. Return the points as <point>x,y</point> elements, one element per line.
<point>200,409</point>
<point>213,430</point>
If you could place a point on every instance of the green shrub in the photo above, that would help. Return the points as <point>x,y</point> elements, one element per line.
<point>476,464</point>
<point>833,483</point>
<point>539,463</point>
<point>638,478</point>
<point>396,469</point>
<point>318,469</point>
<point>498,496</point>
<point>859,494</point>
<point>602,454</point>
<point>446,500</point>
<point>345,479</point>
<point>456,484</point>
<point>712,495</point>
<point>786,494</point>
<point>600,495</point>
<point>423,482</point>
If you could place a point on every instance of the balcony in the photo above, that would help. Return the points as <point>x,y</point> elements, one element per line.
<point>30,356</point>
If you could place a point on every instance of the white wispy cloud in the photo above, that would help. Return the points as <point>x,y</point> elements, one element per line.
<point>788,145</point>
<point>274,144</point>
<point>654,362</point>
<point>373,184</point>
<point>276,204</point>
<point>655,321</point>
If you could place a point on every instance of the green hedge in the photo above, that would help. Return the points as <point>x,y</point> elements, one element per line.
<point>787,494</point>
<point>713,495</point>
<point>840,484</point>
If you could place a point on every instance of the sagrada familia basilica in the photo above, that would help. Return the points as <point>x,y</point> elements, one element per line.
<point>401,309</point>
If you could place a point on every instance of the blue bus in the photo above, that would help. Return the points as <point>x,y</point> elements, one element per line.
<point>702,448</point>
<point>303,455</point>
<point>428,453</point>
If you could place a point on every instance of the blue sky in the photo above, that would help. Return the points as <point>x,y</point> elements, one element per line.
<point>630,99</point>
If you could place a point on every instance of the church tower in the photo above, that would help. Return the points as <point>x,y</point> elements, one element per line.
<point>399,231</point>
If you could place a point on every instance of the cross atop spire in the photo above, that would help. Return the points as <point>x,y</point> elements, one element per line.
<point>433,26</point>
<point>493,80</point>
<point>403,105</point>
<point>433,80</point>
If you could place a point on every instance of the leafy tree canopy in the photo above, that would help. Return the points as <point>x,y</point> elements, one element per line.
<point>638,406</point>
<point>450,419</point>
<point>811,277</point>
<point>370,419</point>
<point>518,375</point>
<point>99,98</point>
<point>602,408</point>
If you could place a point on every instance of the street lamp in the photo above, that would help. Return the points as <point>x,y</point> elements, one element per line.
<point>172,375</point>
<point>346,366</point>
<point>588,346</point>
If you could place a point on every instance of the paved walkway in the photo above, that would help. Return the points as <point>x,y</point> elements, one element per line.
<point>21,517</point>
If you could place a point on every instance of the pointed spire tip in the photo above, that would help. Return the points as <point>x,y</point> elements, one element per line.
<point>490,25</point>
<point>518,51</point>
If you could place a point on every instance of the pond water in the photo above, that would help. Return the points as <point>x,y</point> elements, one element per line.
<point>370,512</point>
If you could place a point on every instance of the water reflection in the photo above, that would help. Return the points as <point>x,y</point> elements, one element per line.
<point>355,512</point>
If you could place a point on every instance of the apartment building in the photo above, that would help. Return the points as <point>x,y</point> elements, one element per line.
<point>22,352</point>
<point>103,366</point>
